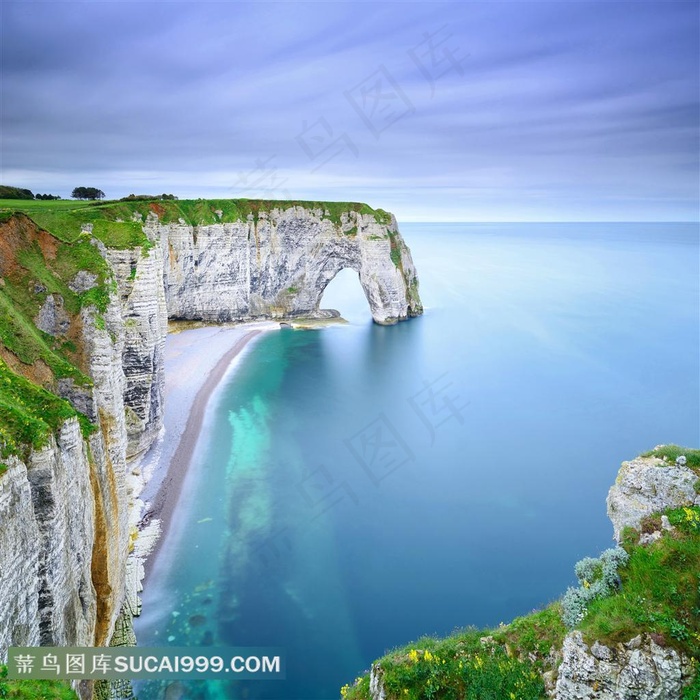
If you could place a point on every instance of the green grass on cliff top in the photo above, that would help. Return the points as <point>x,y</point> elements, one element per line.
<point>113,221</point>
<point>670,453</point>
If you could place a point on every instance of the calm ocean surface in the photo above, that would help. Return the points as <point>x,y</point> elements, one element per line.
<point>362,486</point>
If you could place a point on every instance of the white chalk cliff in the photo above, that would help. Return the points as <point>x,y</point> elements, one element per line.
<point>65,509</point>
<point>279,265</point>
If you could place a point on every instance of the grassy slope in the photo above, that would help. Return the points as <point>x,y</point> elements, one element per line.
<point>34,265</point>
<point>660,594</point>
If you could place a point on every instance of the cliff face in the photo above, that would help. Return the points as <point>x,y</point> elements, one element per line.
<point>639,668</point>
<point>278,265</point>
<point>68,505</point>
<point>46,548</point>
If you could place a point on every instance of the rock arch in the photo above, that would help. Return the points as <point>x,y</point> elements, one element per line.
<point>279,265</point>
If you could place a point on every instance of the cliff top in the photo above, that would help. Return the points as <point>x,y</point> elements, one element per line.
<point>117,223</point>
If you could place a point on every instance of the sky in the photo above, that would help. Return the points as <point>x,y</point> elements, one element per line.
<point>470,111</point>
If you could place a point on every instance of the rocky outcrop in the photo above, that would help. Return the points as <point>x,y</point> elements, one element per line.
<point>278,265</point>
<point>52,317</point>
<point>641,669</point>
<point>648,485</point>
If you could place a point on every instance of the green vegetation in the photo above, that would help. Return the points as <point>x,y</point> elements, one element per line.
<point>506,662</point>
<point>7,192</point>
<point>670,453</point>
<point>395,251</point>
<point>599,578</point>
<point>65,218</point>
<point>537,633</point>
<point>658,592</point>
<point>34,690</point>
<point>30,414</point>
<point>87,193</point>
<point>382,217</point>
<point>33,267</point>
<point>146,197</point>
<point>692,692</point>
<point>30,205</point>
<point>460,667</point>
<point>24,340</point>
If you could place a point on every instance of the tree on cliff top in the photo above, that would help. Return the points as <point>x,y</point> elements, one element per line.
<point>87,193</point>
<point>8,192</point>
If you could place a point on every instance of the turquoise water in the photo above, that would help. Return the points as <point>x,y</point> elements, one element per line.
<point>363,485</point>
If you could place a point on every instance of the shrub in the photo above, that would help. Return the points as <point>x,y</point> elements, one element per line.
<point>598,578</point>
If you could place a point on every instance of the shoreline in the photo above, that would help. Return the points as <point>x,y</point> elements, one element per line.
<point>169,465</point>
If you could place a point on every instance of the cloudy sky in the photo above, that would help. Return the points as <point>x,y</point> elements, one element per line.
<point>467,111</point>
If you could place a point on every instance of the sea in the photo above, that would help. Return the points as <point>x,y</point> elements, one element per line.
<point>359,486</point>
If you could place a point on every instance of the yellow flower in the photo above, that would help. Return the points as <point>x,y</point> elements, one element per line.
<point>413,655</point>
<point>428,656</point>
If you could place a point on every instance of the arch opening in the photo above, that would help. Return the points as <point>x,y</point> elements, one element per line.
<point>345,294</point>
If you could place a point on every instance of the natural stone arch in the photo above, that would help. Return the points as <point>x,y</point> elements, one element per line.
<point>279,265</point>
